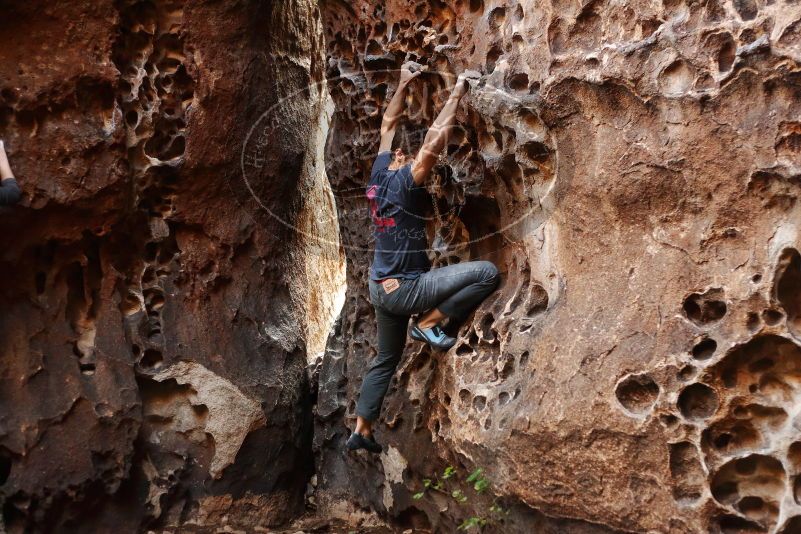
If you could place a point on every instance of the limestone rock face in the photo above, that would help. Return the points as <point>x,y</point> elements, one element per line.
<point>155,320</point>
<point>634,170</point>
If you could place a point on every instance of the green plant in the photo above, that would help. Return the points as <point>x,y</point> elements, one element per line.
<point>495,513</point>
<point>459,496</point>
<point>449,472</point>
<point>495,509</point>
<point>472,522</point>
<point>477,479</point>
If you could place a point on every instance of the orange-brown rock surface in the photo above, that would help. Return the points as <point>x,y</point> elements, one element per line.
<point>167,283</point>
<point>634,170</point>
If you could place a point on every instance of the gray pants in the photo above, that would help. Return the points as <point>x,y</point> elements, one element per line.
<point>455,290</point>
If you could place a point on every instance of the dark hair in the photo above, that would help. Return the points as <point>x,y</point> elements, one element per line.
<point>408,137</point>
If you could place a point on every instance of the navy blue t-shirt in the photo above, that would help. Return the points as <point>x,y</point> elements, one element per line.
<point>399,228</point>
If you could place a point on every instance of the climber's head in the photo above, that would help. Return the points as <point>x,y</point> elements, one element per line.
<point>399,158</point>
<point>405,145</point>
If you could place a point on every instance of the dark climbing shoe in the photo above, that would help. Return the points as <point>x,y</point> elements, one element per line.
<point>434,336</point>
<point>357,441</point>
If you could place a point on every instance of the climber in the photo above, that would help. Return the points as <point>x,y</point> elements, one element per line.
<point>9,190</point>
<point>401,281</point>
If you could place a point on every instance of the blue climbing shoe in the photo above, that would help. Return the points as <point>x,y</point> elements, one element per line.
<point>434,336</point>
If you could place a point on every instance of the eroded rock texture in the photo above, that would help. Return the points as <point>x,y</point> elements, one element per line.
<point>155,321</point>
<point>634,170</point>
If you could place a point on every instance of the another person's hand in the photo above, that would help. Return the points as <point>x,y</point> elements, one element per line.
<point>9,190</point>
<point>5,167</point>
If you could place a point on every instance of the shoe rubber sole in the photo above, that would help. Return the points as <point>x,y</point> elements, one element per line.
<point>357,441</point>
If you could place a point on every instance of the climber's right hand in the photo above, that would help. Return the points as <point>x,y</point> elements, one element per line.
<point>461,87</point>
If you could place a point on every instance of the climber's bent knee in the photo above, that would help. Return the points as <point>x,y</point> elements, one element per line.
<point>490,271</point>
<point>484,279</point>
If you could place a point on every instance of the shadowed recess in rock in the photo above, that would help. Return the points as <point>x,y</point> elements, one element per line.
<point>788,288</point>
<point>697,401</point>
<point>637,393</point>
<point>705,308</point>
<point>751,485</point>
<point>687,472</point>
<point>705,349</point>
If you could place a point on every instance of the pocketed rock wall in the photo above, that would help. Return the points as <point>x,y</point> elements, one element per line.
<point>155,321</point>
<point>634,170</point>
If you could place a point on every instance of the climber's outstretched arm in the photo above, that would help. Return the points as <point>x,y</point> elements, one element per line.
<point>437,134</point>
<point>395,109</point>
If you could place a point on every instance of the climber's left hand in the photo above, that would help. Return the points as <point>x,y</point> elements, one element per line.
<point>407,75</point>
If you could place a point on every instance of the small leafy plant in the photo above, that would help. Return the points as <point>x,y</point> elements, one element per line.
<point>494,514</point>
